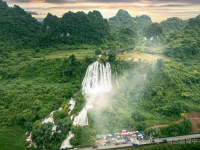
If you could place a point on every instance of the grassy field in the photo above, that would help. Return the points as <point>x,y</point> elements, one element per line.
<point>81,53</point>
<point>142,57</point>
<point>12,139</point>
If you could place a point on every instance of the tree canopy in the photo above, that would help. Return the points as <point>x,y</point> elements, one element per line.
<point>172,25</point>
<point>19,29</point>
<point>153,30</point>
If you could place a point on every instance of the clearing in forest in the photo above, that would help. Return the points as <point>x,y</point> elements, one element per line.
<point>79,53</point>
<point>142,57</point>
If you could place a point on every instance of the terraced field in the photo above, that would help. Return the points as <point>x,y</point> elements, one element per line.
<point>12,138</point>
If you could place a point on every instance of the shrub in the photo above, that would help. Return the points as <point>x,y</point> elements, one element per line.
<point>42,113</point>
<point>140,126</point>
<point>137,116</point>
<point>36,125</point>
<point>98,52</point>
<point>177,128</point>
<point>59,115</point>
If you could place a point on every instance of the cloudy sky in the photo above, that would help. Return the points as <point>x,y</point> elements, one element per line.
<point>158,10</point>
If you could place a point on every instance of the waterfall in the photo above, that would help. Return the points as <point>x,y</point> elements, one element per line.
<point>82,118</point>
<point>97,80</point>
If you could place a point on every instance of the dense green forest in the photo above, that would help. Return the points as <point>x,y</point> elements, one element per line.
<point>74,28</point>
<point>154,30</point>
<point>172,25</point>
<point>30,90</point>
<point>32,86</point>
<point>170,37</point>
<point>185,43</point>
<point>18,28</point>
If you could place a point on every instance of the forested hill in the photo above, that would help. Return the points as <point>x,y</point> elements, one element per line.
<point>185,43</point>
<point>172,25</point>
<point>124,20</point>
<point>19,29</point>
<point>75,28</point>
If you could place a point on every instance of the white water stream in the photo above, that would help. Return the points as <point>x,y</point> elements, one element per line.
<point>66,143</point>
<point>72,104</point>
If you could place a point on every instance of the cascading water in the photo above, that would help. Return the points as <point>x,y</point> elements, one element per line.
<point>97,80</point>
<point>82,118</point>
<point>66,143</point>
<point>72,104</point>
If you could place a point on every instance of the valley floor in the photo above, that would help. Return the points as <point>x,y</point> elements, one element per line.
<point>81,53</point>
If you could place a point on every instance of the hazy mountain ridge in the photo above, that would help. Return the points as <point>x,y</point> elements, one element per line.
<point>20,29</point>
<point>122,14</point>
<point>124,20</point>
<point>78,27</point>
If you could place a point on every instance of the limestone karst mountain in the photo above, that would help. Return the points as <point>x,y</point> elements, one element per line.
<point>124,20</point>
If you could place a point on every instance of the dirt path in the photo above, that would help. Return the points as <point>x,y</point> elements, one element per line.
<point>195,123</point>
<point>194,119</point>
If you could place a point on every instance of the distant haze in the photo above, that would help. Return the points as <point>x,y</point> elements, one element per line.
<point>158,10</point>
